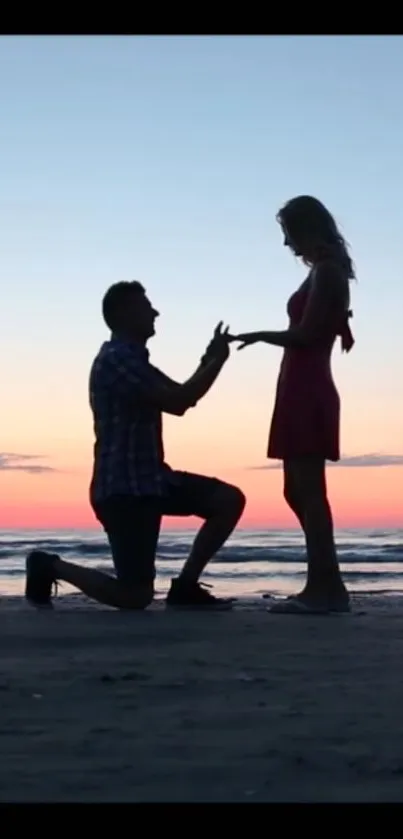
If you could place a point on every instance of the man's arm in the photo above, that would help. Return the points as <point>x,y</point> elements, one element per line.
<point>200,383</point>
<point>173,385</point>
<point>140,383</point>
<point>218,345</point>
<point>204,376</point>
<point>164,379</point>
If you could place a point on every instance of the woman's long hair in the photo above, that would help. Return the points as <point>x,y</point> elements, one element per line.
<point>306,219</point>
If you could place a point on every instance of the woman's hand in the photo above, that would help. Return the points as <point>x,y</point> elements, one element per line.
<point>246,339</point>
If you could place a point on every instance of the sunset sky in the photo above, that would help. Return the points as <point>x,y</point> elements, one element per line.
<point>166,160</point>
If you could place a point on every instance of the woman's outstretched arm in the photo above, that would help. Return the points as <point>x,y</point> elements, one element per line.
<point>328,283</point>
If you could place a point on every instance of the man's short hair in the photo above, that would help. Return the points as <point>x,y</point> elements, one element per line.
<point>115,300</point>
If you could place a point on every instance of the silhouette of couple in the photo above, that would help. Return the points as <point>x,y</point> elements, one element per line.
<point>132,487</point>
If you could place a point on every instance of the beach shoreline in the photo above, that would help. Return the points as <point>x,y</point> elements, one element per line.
<point>253,561</point>
<point>99,705</point>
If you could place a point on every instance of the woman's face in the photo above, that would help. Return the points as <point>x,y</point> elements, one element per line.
<point>289,243</point>
<point>305,249</point>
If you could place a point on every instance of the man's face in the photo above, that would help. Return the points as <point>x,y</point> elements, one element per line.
<point>141,316</point>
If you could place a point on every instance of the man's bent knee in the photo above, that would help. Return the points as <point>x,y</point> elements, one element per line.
<point>229,500</point>
<point>136,597</point>
<point>289,497</point>
<point>290,494</point>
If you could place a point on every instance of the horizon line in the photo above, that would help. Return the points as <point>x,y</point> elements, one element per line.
<point>194,529</point>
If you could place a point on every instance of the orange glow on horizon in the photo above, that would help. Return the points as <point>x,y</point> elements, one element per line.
<point>360,497</point>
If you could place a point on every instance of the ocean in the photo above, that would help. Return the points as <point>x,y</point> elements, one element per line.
<point>252,563</point>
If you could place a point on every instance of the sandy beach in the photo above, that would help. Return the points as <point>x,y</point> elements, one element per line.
<point>103,706</point>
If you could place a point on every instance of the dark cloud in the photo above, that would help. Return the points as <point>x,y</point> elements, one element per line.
<point>358,461</point>
<point>10,462</point>
<point>371,460</point>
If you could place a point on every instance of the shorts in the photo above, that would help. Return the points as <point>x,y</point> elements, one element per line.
<point>132,523</point>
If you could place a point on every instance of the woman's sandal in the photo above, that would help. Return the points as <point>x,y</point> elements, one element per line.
<point>295,606</point>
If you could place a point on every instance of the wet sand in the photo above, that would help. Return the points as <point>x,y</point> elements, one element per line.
<point>104,706</point>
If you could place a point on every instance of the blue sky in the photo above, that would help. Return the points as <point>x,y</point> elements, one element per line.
<point>166,159</point>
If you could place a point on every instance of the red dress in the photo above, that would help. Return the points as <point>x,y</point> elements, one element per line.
<point>306,416</point>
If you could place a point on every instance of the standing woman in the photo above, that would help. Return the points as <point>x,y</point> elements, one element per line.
<point>306,419</point>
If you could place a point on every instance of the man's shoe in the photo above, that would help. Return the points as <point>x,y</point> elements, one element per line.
<point>40,578</point>
<point>187,595</point>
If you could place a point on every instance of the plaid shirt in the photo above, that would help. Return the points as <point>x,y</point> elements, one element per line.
<point>128,452</point>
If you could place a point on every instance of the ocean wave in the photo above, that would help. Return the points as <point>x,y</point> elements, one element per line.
<point>169,550</point>
<point>267,574</point>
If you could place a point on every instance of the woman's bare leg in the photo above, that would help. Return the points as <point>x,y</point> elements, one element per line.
<point>294,503</point>
<point>324,580</point>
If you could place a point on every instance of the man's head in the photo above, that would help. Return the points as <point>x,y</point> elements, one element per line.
<point>128,312</point>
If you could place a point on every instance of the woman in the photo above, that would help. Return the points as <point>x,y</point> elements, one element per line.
<point>305,425</point>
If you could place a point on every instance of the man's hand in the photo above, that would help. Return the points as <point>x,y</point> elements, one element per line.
<point>218,348</point>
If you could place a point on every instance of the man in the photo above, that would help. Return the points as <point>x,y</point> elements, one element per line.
<point>132,487</point>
